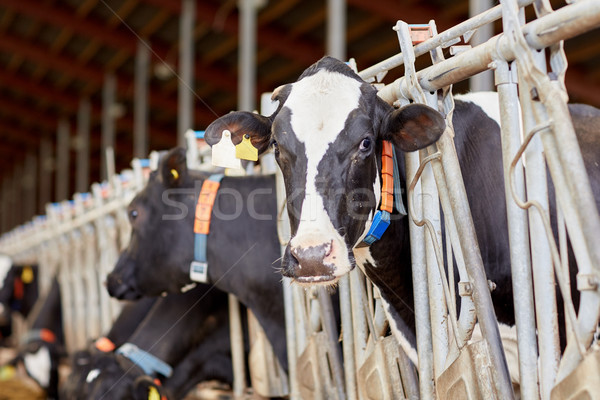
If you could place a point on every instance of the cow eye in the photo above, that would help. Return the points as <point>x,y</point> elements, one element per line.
<point>365,144</point>
<point>275,146</point>
<point>133,214</point>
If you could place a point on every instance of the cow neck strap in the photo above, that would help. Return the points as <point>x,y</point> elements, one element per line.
<point>390,178</point>
<point>45,335</point>
<point>204,206</point>
<point>149,363</point>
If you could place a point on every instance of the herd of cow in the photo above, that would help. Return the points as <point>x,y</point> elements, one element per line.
<point>327,136</point>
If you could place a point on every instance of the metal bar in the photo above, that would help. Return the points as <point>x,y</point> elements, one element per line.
<point>5,199</point>
<point>348,338</point>
<point>447,36</point>
<point>336,29</point>
<point>329,327</point>
<point>109,89</point>
<point>422,321</point>
<point>140,104</point>
<point>483,81</point>
<point>30,185</point>
<point>437,303</point>
<point>470,248</point>
<point>237,347</point>
<point>247,56</point>
<point>185,107</point>
<point>283,232</point>
<point>46,165</point>
<point>562,24</point>
<point>518,233</point>
<point>62,160</point>
<point>534,113</point>
<point>83,146</point>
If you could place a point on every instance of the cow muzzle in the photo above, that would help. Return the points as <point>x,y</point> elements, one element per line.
<point>119,289</point>
<point>315,263</point>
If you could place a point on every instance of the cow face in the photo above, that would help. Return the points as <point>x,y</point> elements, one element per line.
<point>326,135</point>
<point>161,241</point>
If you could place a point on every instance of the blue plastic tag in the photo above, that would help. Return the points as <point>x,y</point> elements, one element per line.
<point>380,223</point>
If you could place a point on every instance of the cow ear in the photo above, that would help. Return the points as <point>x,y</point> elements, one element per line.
<point>173,167</point>
<point>412,127</point>
<point>241,123</point>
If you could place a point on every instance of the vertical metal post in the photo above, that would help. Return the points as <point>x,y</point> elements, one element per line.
<point>484,81</point>
<point>185,111</point>
<point>5,203</point>
<point>30,185</point>
<point>237,347</point>
<point>348,336</point>
<point>518,232</point>
<point>437,303</point>
<point>247,56</point>
<point>543,272</point>
<point>62,160</point>
<point>17,195</point>
<point>108,121</point>
<point>336,29</point>
<point>421,292</point>
<point>140,106</point>
<point>46,165</point>
<point>82,178</point>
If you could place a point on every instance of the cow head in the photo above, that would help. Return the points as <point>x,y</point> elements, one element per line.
<point>326,135</point>
<point>161,242</point>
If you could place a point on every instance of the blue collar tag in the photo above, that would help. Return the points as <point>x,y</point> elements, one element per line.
<point>147,362</point>
<point>380,223</point>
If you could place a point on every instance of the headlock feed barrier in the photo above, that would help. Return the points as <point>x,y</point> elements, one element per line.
<point>461,353</point>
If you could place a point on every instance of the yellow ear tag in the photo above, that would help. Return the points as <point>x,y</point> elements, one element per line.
<point>27,274</point>
<point>223,153</point>
<point>175,174</point>
<point>7,372</point>
<point>245,150</point>
<point>153,393</point>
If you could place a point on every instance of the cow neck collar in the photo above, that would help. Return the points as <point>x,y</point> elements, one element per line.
<point>149,363</point>
<point>390,178</point>
<point>204,206</point>
<point>45,335</point>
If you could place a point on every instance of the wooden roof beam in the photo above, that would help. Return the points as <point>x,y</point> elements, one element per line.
<point>92,75</point>
<point>275,39</point>
<point>95,30</point>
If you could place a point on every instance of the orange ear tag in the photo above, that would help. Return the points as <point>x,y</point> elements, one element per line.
<point>223,153</point>
<point>245,150</point>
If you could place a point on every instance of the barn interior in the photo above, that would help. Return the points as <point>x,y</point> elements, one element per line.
<point>91,90</point>
<point>57,58</point>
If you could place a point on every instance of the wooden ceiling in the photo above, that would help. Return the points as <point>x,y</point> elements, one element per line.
<point>53,53</point>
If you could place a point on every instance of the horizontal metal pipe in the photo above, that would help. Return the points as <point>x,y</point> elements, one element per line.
<point>565,23</point>
<point>439,40</point>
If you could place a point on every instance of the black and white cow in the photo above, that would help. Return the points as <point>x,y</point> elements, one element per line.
<point>83,361</point>
<point>242,250</point>
<point>327,137</point>
<point>18,293</point>
<point>189,331</point>
<point>42,347</point>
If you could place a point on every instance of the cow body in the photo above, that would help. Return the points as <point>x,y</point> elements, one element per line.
<point>173,331</point>
<point>327,136</point>
<point>83,361</point>
<point>18,293</point>
<point>242,246</point>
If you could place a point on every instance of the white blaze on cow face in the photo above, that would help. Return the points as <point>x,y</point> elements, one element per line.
<point>38,365</point>
<point>320,105</point>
